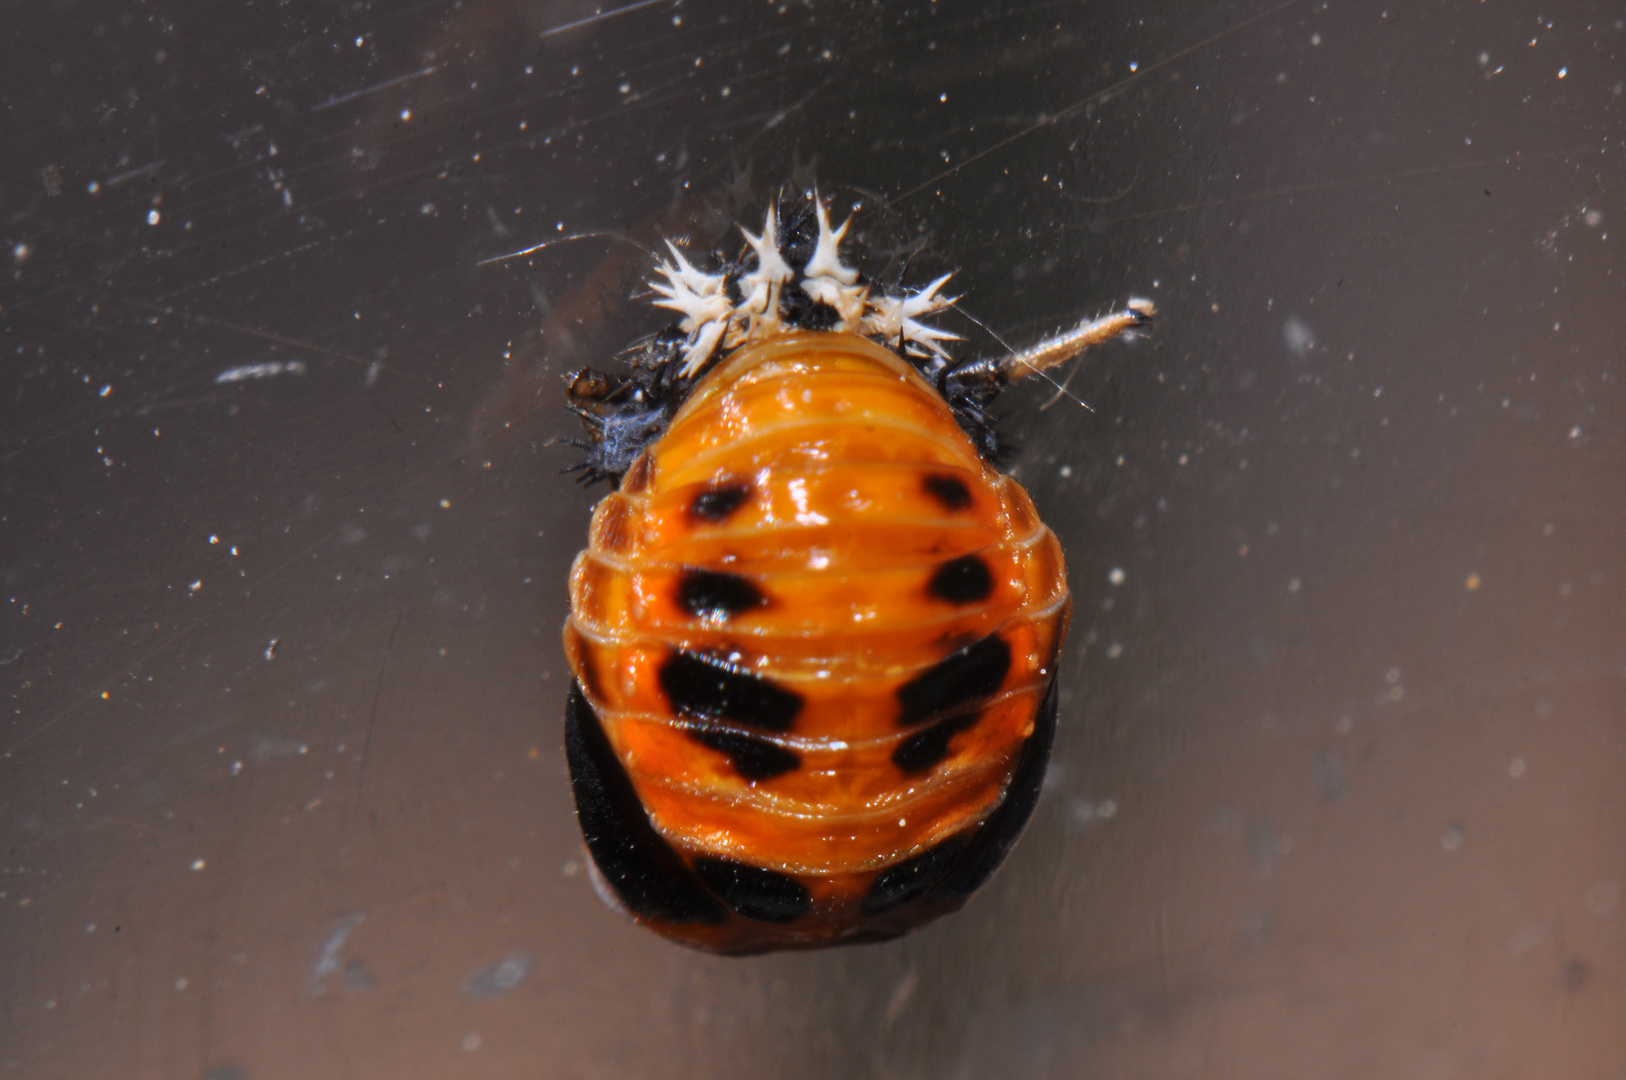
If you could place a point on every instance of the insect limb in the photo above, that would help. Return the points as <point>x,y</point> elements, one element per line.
<point>1063,347</point>
<point>1002,364</point>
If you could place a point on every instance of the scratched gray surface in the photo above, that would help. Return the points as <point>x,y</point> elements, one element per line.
<point>1338,787</point>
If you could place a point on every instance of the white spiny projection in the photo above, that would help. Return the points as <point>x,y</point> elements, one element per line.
<point>712,321</point>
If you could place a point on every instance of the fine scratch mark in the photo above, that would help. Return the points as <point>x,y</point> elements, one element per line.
<point>1084,103</point>
<point>267,335</point>
<point>595,234</point>
<point>98,691</point>
<point>372,718</point>
<point>131,174</point>
<point>234,271</point>
<point>340,99</point>
<point>600,17</point>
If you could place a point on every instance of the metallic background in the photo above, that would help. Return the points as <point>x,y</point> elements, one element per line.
<point>1338,790</point>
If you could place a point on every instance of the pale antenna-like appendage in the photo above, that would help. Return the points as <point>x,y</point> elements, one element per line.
<point>1063,347</point>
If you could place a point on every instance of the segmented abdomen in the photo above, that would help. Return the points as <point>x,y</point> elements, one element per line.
<point>814,625</point>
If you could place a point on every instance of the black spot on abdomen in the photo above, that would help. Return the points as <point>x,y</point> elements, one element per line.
<point>715,504</point>
<point>965,580</point>
<point>949,491</point>
<point>924,749</point>
<point>752,758</point>
<point>643,869</point>
<point>999,833</point>
<point>958,680</point>
<point>764,895</point>
<point>704,688</point>
<point>709,594</point>
<point>897,885</point>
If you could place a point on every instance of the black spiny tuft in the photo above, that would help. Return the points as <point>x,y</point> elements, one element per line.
<point>970,387</point>
<point>798,229</point>
<point>622,414</point>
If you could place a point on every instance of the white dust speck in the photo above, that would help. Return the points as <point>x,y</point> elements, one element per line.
<point>153,217</point>
<point>1114,651</point>
<point>471,1042</point>
<point>180,983</point>
<point>501,977</point>
<point>1452,839</point>
<point>195,586</point>
<point>1116,575</point>
<point>21,252</point>
<point>1525,940</point>
<point>265,370</point>
<point>1299,337</point>
<point>328,959</point>
<point>902,991</point>
<point>198,864</point>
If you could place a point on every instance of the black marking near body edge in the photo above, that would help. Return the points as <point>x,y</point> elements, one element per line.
<point>959,679</point>
<point>753,758</point>
<point>897,885</point>
<point>1004,826</point>
<point>704,688</point>
<point>716,596</point>
<point>926,749</point>
<point>764,895</point>
<point>715,504</point>
<point>646,874</point>
<point>949,491</point>
<point>965,580</point>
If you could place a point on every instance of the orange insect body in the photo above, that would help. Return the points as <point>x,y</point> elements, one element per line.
<point>872,543</point>
<point>814,634</point>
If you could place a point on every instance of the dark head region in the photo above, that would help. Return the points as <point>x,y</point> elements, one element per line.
<point>955,682</point>
<point>949,491</point>
<point>753,758</point>
<point>805,313</point>
<point>716,503</point>
<point>925,750</point>
<point>702,687</point>
<point>965,580</point>
<point>756,893</point>
<point>715,596</point>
